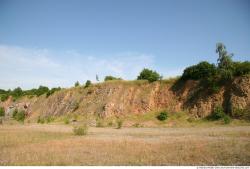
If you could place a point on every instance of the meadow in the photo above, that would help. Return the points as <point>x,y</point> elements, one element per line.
<point>55,144</point>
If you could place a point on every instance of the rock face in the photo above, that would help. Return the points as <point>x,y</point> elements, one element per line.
<point>118,98</point>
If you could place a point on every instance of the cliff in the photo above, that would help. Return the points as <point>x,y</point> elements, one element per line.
<point>117,98</point>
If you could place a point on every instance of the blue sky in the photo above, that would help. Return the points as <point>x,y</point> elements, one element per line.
<point>58,42</point>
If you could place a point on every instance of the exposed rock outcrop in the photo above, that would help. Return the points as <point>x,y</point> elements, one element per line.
<point>122,97</point>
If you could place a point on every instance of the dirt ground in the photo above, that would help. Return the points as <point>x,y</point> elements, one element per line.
<point>34,144</point>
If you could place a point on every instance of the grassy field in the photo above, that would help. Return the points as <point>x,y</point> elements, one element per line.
<point>33,144</point>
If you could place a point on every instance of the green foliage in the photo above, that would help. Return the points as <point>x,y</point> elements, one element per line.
<point>88,83</point>
<point>227,119</point>
<point>52,91</point>
<point>217,114</point>
<point>199,71</point>
<point>110,124</point>
<point>225,59</point>
<point>41,90</point>
<point>19,115</point>
<point>17,92</point>
<point>4,97</point>
<point>99,123</point>
<point>241,113</point>
<point>162,116</point>
<point>150,75</point>
<point>66,120</point>
<point>77,84</point>
<point>107,78</point>
<point>40,120</point>
<point>119,123</point>
<point>80,130</point>
<point>2,112</point>
<point>241,68</point>
<point>14,113</point>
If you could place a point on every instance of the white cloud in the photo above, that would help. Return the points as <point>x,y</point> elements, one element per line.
<point>30,68</point>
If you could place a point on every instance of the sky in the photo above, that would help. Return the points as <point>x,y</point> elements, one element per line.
<point>58,42</point>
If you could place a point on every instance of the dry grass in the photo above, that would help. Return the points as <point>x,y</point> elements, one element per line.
<point>56,145</point>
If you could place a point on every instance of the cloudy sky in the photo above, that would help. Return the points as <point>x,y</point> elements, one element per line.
<point>56,43</point>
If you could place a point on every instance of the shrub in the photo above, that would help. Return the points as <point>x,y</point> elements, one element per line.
<point>241,68</point>
<point>162,116</point>
<point>14,113</point>
<point>119,124</point>
<point>20,116</point>
<point>99,123</point>
<point>227,119</point>
<point>80,130</point>
<point>107,78</point>
<point>241,113</point>
<point>217,114</point>
<point>150,75</point>
<point>199,71</point>
<point>88,83</point>
<point>66,120</point>
<point>52,91</point>
<point>40,120</point>
<point>110,124</point>
<point>41,90</point>
<point>2,112</point>
<point>49,119</point>
<point>4,97</point>
<point>17,92</point>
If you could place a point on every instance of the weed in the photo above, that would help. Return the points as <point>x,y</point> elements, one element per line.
<point>80,130</point>
<point>119,124</point>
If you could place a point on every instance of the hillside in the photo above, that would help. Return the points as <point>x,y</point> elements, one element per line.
<point>120,98</point>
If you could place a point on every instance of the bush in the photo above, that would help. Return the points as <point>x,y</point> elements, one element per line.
<point>227,119</point>
<point>2,112</point>
<point>40,120</point>
<point>66,120</point>
<point>107,78</point>
<point>241,68</point>
<point>217,114</point>
<point>77,84</point>
<point>4,97</point>
<point>52,91</point>
<point>99,123</point>
<point>162,116</point>
<point>199,71</point>
<point>14,113</point>
<point>80,130</point>
<point>20,116</point>
<point>119,124</point>
<point>150,75</point>
<point>88,83</point>
<point>241,113</point>
<point>41,90</point>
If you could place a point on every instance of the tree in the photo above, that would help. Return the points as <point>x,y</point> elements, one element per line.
<point>77,84</point>
<point>88,83</point>
<point>41,90</point>
<point>150,75</point>
<point>225,59</point>
<point>107,78</point>
<point>97,78</point>
<point>17,92</point>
